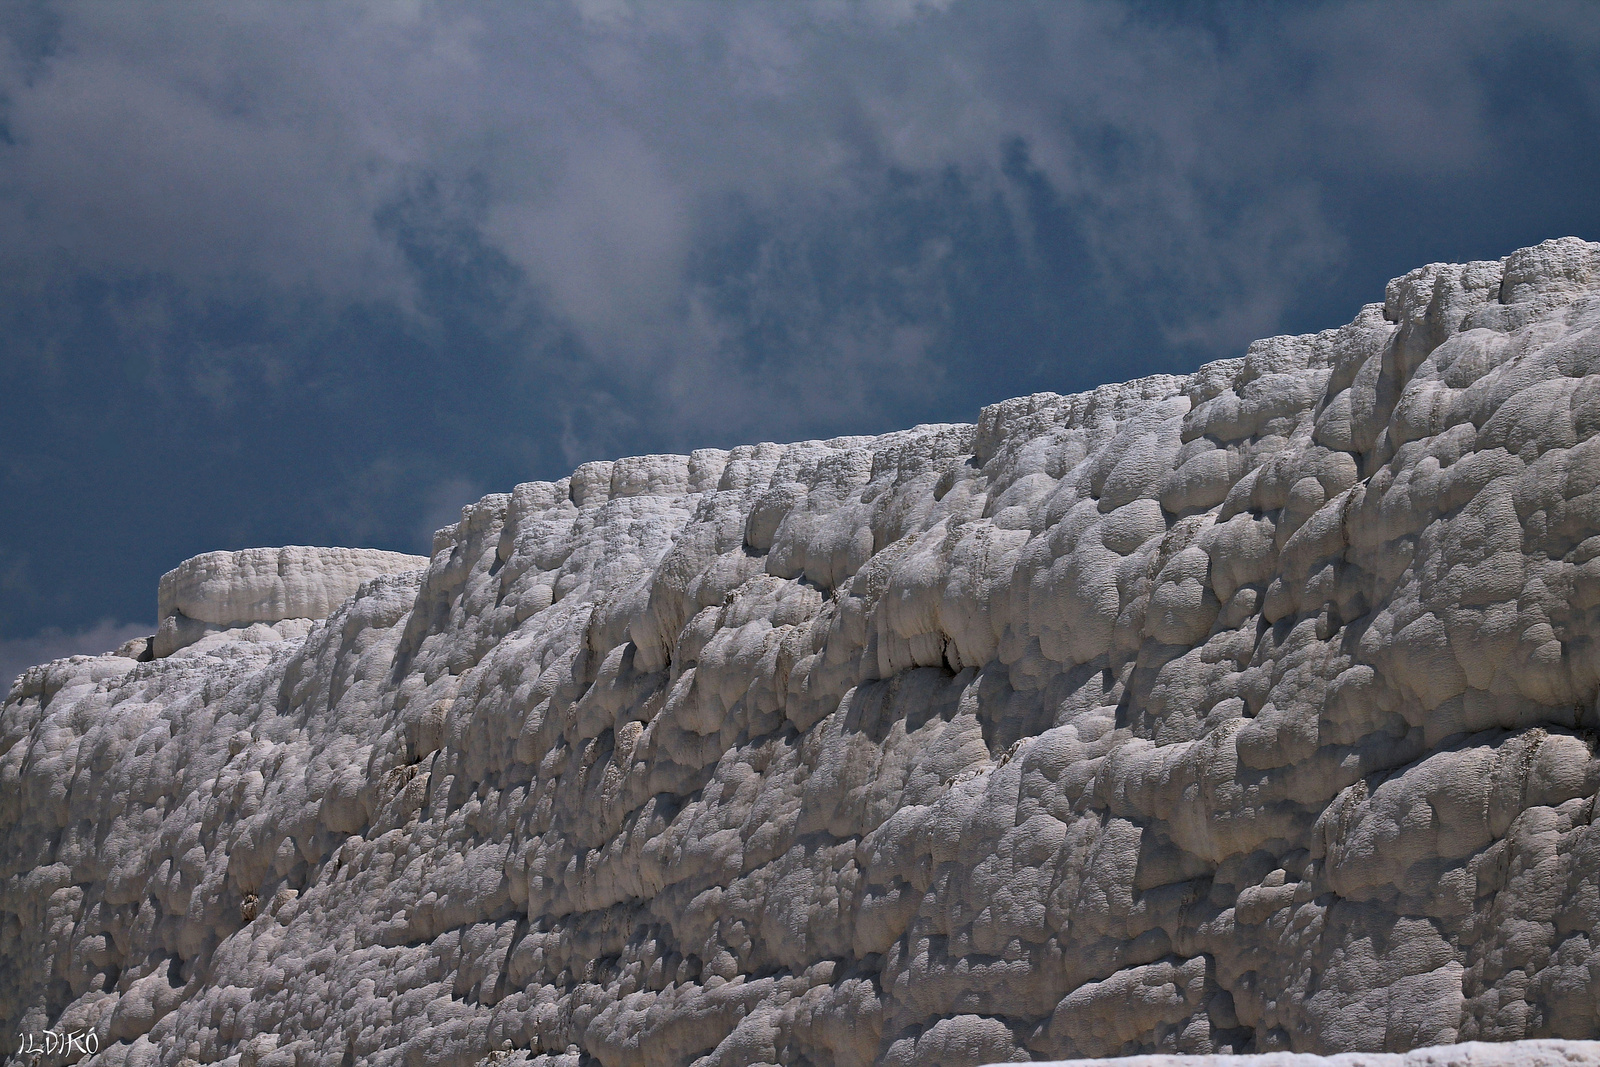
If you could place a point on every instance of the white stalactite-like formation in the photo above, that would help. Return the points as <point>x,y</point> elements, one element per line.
<point>1247,711</point>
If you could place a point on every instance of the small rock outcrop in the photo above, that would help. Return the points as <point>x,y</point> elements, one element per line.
<point>221,591</point>
<point>1248,711</point>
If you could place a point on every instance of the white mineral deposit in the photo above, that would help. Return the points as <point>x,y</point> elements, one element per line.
<point>1251,711</point>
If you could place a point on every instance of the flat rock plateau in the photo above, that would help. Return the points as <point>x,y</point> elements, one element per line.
<point>1251,711</point>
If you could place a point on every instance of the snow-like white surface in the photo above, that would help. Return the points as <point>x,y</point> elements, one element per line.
<point>1246,711</point>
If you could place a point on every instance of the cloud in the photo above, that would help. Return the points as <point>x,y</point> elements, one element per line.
<point>18,654</point>
<point>186,146</point>
<point>442,505</point>
<point>262,142</point>
<point>600,148</point>
<point>277,272</point>
<point>606,140</point>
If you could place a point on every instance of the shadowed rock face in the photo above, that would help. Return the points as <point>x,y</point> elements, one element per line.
<point>1251,710</point>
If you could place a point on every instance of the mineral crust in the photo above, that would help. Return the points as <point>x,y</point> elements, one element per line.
<point>1247,711</point>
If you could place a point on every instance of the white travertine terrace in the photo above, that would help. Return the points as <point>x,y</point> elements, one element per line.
<point>232,590</point>
<point>1545,1053</point>
<point>1247,711</point>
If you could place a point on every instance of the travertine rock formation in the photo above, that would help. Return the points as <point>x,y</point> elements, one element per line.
<point>221,591</point>
<point>1471,1054</point>
<point>1245,711</point>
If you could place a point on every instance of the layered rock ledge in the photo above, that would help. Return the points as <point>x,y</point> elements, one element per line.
<point>1247,711</point>
<point>220,591</point>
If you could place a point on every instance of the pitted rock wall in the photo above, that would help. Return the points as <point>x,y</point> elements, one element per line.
<point>1245,711</point>
<point>1546,1053</point>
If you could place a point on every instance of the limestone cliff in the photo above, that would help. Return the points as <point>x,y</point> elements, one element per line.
<point>1245,711</point>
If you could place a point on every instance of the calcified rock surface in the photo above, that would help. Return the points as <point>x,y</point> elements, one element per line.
<point>221,591</point>
<point>1243,711</point>
<point>1470,1054</point>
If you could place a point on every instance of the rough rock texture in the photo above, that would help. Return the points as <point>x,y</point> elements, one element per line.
<point>1245,711</point>
<point>1470,1054</point>
<point>234,590</point>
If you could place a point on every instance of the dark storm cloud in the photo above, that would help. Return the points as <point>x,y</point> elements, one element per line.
<point>284,272</point>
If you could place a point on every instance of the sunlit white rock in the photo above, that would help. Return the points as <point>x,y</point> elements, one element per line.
<point>233,590</point>
<point>1251,710</point>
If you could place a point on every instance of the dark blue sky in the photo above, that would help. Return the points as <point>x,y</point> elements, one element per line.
<point>320,274</point>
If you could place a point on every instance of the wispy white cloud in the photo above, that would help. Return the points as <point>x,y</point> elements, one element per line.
<point>19,654</point>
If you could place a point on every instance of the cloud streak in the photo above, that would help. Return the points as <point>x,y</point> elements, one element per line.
<point>19,654</point>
